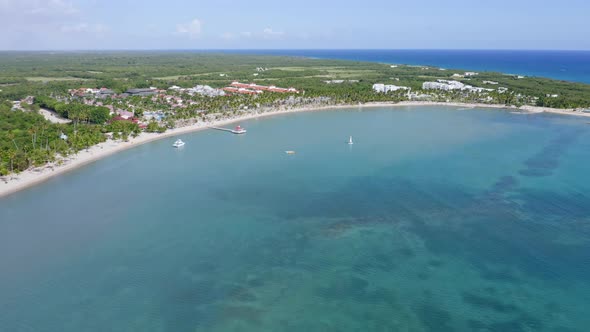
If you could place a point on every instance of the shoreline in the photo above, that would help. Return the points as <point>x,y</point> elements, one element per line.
<point>31,177</point>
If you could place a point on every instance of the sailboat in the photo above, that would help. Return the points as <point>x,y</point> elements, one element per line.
<point>350,142</point>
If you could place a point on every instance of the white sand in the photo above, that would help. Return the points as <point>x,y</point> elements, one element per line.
<point>34,176</point>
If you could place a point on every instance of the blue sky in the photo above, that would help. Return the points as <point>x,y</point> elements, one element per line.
<point>263,24</point>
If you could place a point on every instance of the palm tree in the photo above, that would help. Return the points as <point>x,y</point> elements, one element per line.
<point>33,133</point>
<point>11,136</point>
<point>12,156</point>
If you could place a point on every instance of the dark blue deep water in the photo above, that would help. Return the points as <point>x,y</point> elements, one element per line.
<point>562,65</point>
<point>437,219</point>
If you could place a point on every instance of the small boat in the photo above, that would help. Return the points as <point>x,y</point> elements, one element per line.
<point>179,143</point>
<point>290,152</point>
<point>239,130</point>
<point>350,142</point>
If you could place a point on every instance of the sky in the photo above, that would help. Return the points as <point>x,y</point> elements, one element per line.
<point>300,24</point>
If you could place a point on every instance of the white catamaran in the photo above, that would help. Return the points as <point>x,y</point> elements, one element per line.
<point>178,143</point>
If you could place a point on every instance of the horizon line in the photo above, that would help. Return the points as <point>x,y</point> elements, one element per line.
<point>292,49</point>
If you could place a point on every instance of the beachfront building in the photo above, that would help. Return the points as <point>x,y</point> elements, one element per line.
<point>385,88</point>
<point>419,96</point>
<point>446,85</point>
<point>443,85</point>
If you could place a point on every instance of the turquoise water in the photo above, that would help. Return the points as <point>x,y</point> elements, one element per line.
<point>436,219</point>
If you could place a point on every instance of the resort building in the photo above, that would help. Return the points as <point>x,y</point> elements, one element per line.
<point>446,85</point>
<point>126,115</point>
<point>257,88</point>
<point>243,91</point>
<point>142,92</point>
<point>383,88</point>
<point>83,92</point>
<point>205,90</point>
<point>443,85</point>
<point>91,92</point>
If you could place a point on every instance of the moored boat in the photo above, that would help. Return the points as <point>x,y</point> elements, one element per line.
<point>239,130</point>
<point>178,143</point>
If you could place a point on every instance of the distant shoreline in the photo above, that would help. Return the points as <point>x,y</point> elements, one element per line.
<point>32,177</point>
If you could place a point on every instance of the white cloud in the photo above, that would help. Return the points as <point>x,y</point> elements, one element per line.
<point>44,24</point>
<point>192,29</point>
<point>37,8</point>
<point>51,7</point>
<point>269,33</point>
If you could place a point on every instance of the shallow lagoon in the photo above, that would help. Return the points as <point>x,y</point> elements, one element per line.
<point>436,219</point>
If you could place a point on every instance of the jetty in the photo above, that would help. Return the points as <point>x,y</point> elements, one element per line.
<point>236,130</point>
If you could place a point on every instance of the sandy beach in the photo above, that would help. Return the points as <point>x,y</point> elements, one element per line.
<point>13,183</point>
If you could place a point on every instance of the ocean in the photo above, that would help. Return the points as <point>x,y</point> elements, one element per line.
<point>436,219</point>
<point>562,65</point>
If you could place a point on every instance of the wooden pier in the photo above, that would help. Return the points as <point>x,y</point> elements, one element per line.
<point>233,131</point>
